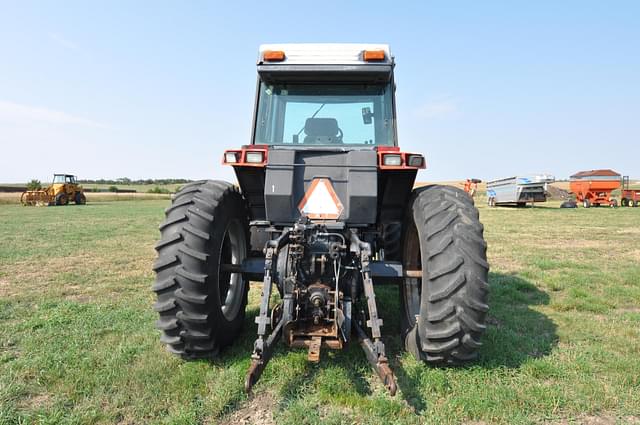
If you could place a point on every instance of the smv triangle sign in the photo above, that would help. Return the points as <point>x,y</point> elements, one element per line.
<point>321,201</point>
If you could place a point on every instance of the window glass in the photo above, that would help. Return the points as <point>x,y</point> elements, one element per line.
<point>322,114</point>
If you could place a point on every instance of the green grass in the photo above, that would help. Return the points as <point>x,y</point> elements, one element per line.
<point>77,342</point>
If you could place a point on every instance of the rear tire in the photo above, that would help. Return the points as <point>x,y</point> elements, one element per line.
<point>586,203</point>
<point>80,199</point>
<point>443,313</point>
<point>625,203</point>
<point>201,308</point>
<point>62,199</point>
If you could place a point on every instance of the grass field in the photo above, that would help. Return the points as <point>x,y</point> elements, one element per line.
<point>77,342</point>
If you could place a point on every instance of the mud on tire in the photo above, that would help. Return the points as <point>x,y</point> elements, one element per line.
<point>444,311</point>
<point>201,307</point>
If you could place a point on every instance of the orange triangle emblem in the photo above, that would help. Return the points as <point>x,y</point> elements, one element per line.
<point>321,202</point>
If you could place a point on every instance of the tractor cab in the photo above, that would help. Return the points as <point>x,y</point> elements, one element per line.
<point>64,179</point>
<point>325,95</point>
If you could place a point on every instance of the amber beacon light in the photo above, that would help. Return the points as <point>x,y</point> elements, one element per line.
<point>373,55</point>
<point>273,56</point>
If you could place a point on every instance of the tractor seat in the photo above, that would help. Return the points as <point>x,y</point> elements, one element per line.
<point>322,131</point>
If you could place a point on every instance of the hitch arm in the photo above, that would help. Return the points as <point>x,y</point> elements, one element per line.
<point>260,359</point>
<point>379,362</point>
<point>262,349</point>
<point>374,350</point>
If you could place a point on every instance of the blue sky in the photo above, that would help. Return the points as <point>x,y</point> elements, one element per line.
<point>160,89</point>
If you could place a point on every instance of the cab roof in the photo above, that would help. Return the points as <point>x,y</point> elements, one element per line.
<point>316,62</point>
<point>326,53</point>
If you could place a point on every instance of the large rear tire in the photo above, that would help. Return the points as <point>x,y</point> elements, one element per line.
<point>444,312</point>
<point>201,307</point>
<point>80,199</point>
<point>62,199</point>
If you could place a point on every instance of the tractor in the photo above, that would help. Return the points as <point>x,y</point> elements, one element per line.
<point>63,189</point>
<point>324,211</point>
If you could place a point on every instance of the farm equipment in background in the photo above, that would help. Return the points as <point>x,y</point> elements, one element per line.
<point>594,187</point>
<point>471,186</point>
<point>518,190</point>
<point>321,217</point>
<point>629,197</point>
<point>63,189</point>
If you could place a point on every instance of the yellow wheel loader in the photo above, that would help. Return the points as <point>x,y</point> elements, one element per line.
<point>61,191</point>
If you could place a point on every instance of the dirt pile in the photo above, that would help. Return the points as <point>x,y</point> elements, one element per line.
<point>557,193</point>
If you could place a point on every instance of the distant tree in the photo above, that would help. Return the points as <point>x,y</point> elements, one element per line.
<point>113,189</point>
<point>34,185</point>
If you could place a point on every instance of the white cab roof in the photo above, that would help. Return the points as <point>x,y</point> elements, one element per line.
<point>325,54</point>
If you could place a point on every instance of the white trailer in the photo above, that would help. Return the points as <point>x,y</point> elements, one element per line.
<point>518,190</point>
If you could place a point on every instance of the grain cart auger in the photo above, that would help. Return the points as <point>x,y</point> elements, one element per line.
<point>324,211</point>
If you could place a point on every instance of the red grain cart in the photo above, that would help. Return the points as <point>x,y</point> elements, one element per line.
<point>629,197</point>
<point>594,187</point>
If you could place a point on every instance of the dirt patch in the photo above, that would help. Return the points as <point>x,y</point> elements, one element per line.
<point>634,255</point>
<point>573,244</point>
<point>256,411</point>
<point>630,309</point>
<point>77,293</point>
<point>4,288</point>
<point>628,231</point>
<point>603,419</point>
<point>35,401</point>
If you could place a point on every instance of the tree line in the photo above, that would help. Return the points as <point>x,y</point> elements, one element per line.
<point>128,181</point>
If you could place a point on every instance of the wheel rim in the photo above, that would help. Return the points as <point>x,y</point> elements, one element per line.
<point>412,287</point>
<point>231,285</point>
